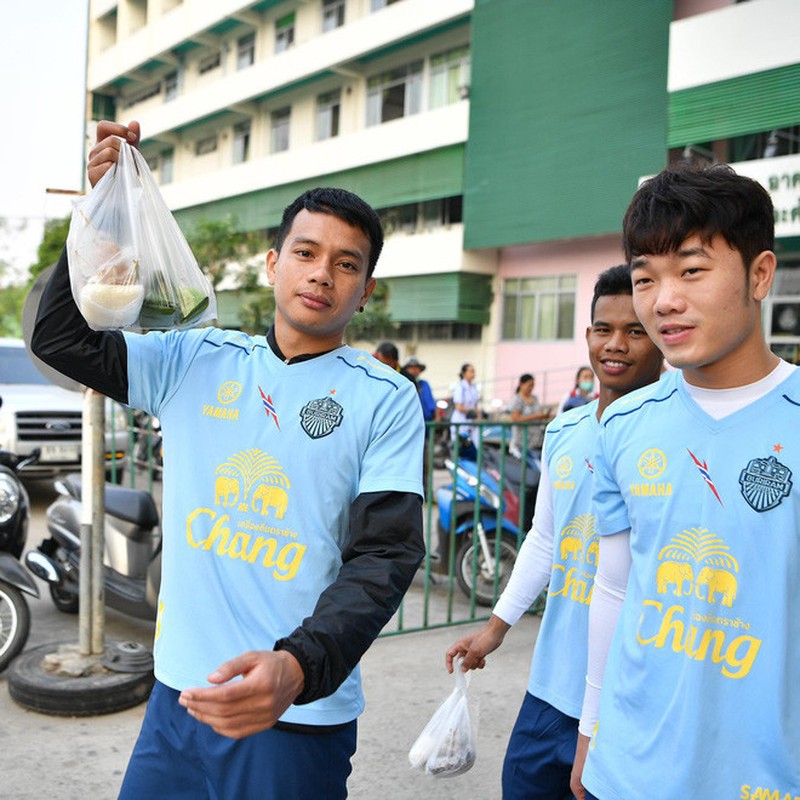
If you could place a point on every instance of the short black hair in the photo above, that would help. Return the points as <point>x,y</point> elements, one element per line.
<point>340,203</point>
<point>389,350</point>
<point>684,200</point>
<point>614,281</point>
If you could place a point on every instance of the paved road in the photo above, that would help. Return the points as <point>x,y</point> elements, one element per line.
<point>404,678</point>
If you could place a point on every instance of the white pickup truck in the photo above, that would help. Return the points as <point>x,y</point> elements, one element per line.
<point>37,413</point>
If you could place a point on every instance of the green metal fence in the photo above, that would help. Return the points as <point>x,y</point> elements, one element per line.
<point>467,564</point>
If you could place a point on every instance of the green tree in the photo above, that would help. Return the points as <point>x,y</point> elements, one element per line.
<point>216,245</point>
<point>218,242</point>
<point>53,240</point>
<point>375,322</point>
<point>257,311</point>
<point>12,299</point>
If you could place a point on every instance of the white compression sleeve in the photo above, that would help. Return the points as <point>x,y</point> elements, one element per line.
<point>610,586</point>
<point>534,562</point>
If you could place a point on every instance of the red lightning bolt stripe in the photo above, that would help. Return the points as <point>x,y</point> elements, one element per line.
<point>703,467</point>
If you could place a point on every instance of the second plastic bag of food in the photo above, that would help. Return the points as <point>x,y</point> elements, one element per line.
<point>446,746</point>
<point>130,265</point>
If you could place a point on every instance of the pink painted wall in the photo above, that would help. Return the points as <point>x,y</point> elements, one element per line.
<point>553,364</point>
<point>688,8</point>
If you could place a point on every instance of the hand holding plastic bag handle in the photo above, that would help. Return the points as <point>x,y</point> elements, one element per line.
<point>446,746</point>
<point>130,265</point>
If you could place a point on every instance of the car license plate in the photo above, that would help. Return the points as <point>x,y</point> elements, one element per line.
<point>60,452</point>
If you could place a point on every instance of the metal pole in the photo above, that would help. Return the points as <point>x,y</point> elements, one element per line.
<point>85,585</point>
<point>98,522</point>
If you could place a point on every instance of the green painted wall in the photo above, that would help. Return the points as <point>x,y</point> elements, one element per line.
<point>426,176</point>
<point>568,108</point>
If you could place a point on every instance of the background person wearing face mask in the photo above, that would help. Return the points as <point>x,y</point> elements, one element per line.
<point>581,393</point>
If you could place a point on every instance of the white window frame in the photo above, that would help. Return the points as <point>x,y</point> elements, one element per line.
<point>284,33</point>
<point>241,142</point>
<point>449,74</point>
<point>209,63</point>
<point>409,77</point>
<point>170,87</point>
<point>206,145</point>
<point>166,173</point>
<point>332,15</point>
<point>328,114</point>
<point>246,50</point>
<point>280,128</point>
<point>534,308</point>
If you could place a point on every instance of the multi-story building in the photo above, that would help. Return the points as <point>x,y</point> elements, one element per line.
<point>501,141</point>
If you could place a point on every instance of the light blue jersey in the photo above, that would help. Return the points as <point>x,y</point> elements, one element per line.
<point>559,659</point>
<point>701,694</point>
<point>262,461</point>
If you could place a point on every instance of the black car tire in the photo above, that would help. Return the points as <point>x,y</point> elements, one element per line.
<point>32,687</point>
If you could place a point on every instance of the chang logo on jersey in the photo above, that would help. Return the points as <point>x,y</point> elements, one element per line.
<point>698,568</point>
<point>573,576</point>
<point>651,465</point>
<point>765,482</point>
<point>321,417</point>
<point>227,394</point>
<point>563,471</point>
<point>250,489</point>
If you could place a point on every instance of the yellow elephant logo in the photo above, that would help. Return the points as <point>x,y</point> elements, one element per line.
<point>571,546</point>
<point>674,572</point>
<point>226,491</point>
<point>718,581</point>
<point>270,497</point>
<point>252,471</point>
<point>592,552</point>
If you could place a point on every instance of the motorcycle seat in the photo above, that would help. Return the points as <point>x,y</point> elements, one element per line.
<point>132,505</point>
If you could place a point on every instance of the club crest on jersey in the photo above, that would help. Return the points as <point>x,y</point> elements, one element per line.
<point>765,482</point>
<point>321,417</point>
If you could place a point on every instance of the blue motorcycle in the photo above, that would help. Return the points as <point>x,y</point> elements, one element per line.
<point>480,519</point>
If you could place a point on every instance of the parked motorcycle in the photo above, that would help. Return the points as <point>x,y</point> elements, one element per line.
<point>483,497</point>
<point>15,617</point>
<point>132,554</point>
<point>149,449</point>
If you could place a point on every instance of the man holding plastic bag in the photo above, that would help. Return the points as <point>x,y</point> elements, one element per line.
<point>129,263</point>
<point>292,510</point>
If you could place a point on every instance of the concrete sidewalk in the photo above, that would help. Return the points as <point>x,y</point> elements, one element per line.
<point>404,682</point>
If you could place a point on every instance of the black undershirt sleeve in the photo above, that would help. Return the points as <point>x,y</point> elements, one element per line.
<point>62,339</point>
<point>385,550</point>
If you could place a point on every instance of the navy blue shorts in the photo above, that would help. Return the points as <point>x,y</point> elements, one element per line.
<point>178,757</point>
<point>540,753</point>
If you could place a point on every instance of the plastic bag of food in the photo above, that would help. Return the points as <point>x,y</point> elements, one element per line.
<point>446,746</point>
<point>130,265</point>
